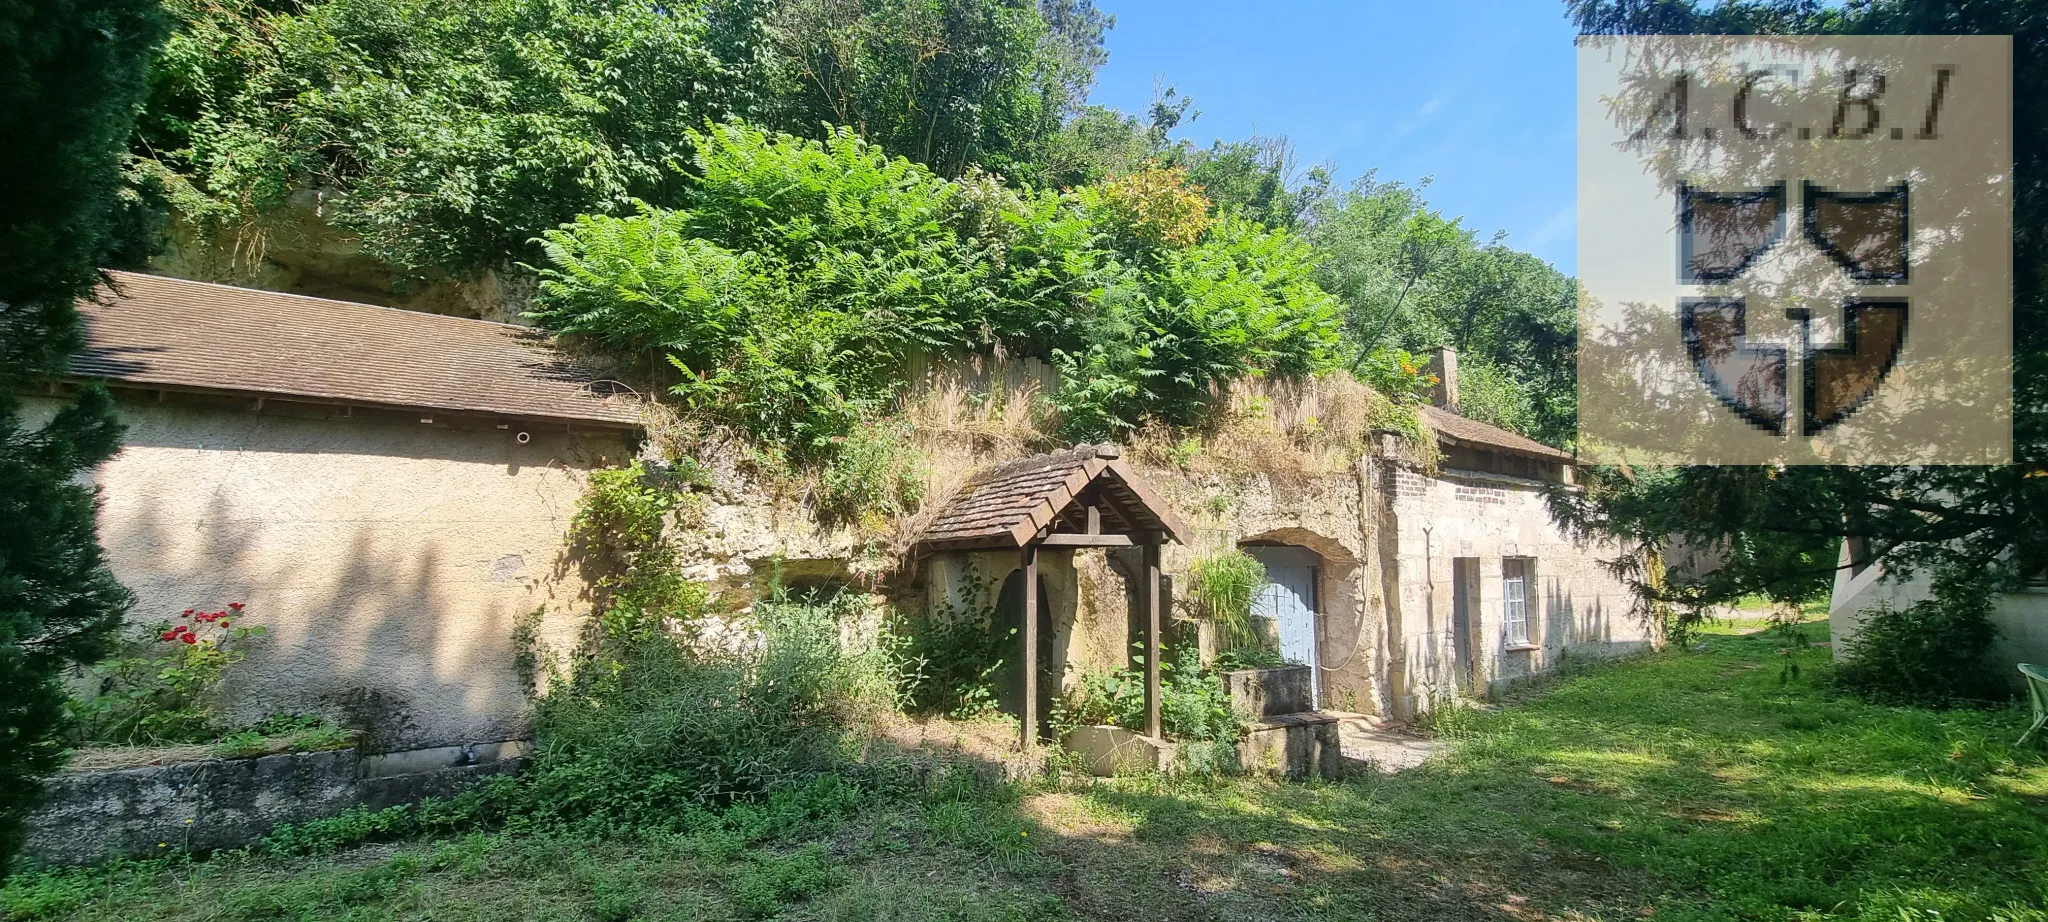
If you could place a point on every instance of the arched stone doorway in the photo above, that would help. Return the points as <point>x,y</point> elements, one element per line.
<point>1312,594</point>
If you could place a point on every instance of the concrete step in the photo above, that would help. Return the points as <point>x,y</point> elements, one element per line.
<point>1385,746</point>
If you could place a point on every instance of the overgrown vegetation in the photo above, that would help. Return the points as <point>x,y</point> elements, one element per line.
<point>1223,587</point>
<point>1193,706</point>
<point>651,725</point>
<point>621,534</point>
<point>788,293</point>
<point>163,685</point>
<point>446,137</point>
<point>1929,653</point>
<point>948,659</point>
<point>668,706</point>
<point>1689,786</point>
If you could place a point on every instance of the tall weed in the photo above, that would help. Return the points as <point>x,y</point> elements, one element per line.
<point>650,727</point>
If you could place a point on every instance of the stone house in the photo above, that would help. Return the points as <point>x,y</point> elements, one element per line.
<point>389,493</point>
<point>386,491</point>
<point>1404,584</point>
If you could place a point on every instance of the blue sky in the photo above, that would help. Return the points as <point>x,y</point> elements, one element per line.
<point>1477,93</point>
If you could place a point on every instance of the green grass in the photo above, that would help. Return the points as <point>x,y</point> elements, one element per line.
<point>1698,785</point>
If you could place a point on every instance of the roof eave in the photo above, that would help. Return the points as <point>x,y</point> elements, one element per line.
<point>608,422</point>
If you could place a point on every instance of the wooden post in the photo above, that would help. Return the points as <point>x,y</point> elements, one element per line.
<point>1151,580</point>
<point>1029,710</point>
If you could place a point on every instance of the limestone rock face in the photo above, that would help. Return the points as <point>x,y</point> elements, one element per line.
<point>293,249</point>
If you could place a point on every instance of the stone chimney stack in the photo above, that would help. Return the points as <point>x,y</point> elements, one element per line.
<point>1443,363</point>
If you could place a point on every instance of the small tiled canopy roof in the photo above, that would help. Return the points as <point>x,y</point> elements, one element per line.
<point>1007,506</point>
<point>162,332</point>
<point>1459,430</point>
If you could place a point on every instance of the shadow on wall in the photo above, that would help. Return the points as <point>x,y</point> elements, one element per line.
<point>389,563</point>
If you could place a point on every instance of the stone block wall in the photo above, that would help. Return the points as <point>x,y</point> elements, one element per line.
<point>1575,606</point>
<point>91,816</point>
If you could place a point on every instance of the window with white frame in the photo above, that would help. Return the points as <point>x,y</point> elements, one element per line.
<point>1515,578</point>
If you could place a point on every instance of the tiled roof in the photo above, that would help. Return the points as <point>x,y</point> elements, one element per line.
<point>1460,430</point>
<point>1006,505</point>
<point>152,330</point>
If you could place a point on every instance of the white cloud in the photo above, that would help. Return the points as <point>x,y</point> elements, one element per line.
<point>1422,114</point>
<point>1561,222</point>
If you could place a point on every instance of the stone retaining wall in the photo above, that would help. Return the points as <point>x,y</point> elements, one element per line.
<point>91,816</point>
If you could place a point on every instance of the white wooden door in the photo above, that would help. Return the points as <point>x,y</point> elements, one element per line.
<point>1289,599</point>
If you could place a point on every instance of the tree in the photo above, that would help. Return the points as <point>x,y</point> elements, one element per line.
<point>799,276</point>
<point>1256,178</point>
<point>1974,531</point>
<point>443,138</point>
<point>72,73</point>
<point>1412,279</point>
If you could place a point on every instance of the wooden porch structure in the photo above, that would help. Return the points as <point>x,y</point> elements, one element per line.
<point>1083,497</point>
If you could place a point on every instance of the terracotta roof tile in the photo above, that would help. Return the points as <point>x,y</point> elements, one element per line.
<point>1473,432</point>
<point>150,329</point>
<point>1006,504</point>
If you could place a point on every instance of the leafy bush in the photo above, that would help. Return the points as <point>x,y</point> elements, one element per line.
<point>1193,705</point>
<point>873,475</point>
<point>1397,374</point>
<point>163,687</point>
<point>1151,207</point>
<point>1165,339</point>
<point>789,292</point>
<point>947,660</point>
<point>1930,653</point>
<point>787,295</point>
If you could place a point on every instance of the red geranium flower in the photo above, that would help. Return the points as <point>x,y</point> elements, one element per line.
<point>167,635</point>
<point>191,639</point>
<point>235,605</point>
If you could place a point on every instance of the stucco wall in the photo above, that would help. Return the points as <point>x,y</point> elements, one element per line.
<point>390,559</point>
<point>2021,617</point>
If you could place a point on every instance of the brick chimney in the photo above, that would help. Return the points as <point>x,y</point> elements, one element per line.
<point>1443,363</point>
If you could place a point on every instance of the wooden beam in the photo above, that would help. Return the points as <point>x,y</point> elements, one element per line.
<point>1028,734</point>
<point>1094,519</point>
<point>1151,590</point>
<point>1069,539</point>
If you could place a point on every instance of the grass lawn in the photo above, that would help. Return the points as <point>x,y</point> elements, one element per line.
<point>1690,785</point>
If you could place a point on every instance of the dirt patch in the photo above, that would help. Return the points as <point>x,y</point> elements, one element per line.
<point>987,746</point>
